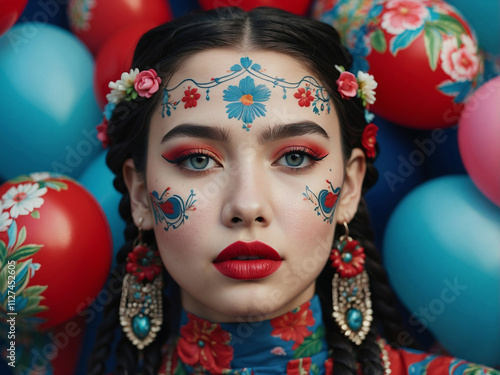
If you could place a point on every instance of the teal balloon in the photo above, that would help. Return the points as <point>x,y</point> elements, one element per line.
<point>48,111</point>
<point>442,254</point>
<point>98,179</point>
<point>484,17</point>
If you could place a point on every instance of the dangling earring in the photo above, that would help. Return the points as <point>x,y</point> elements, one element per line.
<point>141,313</point>
<point>352,306</point>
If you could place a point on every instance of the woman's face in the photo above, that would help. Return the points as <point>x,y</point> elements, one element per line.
<point>245,181</point>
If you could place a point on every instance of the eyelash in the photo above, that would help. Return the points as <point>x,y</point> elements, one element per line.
<point>313,157</point>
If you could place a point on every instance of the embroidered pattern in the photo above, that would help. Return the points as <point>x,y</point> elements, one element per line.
<point>171,210</point>
<point>247,98</point>
<point>326,201</point>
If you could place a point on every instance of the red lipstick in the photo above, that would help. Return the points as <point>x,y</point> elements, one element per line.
<point>247,260</point>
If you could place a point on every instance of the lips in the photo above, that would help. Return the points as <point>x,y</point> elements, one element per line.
<point>247,260</point>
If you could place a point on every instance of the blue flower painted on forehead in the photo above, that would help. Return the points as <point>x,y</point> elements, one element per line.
<point>246,99</point>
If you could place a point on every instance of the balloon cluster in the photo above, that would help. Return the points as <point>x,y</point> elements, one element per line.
<point>437,111</point>
<point>436,206</point>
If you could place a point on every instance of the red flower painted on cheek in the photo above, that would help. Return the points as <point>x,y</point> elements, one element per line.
<point>206,344</point>
<point>305,97</point>
<point>191,97</point>
<point>293,325</point>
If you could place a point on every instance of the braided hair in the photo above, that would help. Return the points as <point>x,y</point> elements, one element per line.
<point>165,48</point>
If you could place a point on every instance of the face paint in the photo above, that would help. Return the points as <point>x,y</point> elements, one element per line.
<point>246,99</point>
<point>171,210</point>
<point>326,201</point>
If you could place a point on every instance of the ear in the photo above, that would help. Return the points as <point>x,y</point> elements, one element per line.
<point>139,196</point>
<point>351,189</point>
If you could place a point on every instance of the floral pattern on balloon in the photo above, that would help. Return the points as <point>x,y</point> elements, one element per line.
<point>171,210</point>
<point>325,201</point>
<point>16,264</point>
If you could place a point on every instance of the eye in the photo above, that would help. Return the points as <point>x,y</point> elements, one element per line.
<point>195,161</point>
<point>298,158</point>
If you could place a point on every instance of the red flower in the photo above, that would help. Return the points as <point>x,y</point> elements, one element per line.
<point>305,97</point>
<point>102,133</point>
<point>298,366</point>
<point>329,366</point>
<point>293,325</point>
<point>191,98</point>
<point>369,140</point>
<point>347,85</point>
<point>144,263</point>
<point>348,257</point>
<point>206,344</point>
<point>147,83</point>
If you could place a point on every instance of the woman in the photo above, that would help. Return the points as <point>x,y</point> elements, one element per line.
<point>242,149</point>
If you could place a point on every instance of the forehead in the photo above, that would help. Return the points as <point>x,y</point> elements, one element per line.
<point>228,87</point>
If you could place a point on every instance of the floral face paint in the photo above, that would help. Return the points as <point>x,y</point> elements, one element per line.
<point>246,100</point>
<point>171,210</point>
<point>325,201</point>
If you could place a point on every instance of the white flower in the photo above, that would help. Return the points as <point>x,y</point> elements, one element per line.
<point>119,88</point>
<point>23,199</point>
<point>5,221</point>
<point>40,176</point>
<point>367,86</point>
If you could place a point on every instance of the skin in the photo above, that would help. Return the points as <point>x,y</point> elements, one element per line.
<point>248,191</point>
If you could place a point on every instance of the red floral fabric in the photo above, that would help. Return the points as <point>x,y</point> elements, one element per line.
<point>293,325</point>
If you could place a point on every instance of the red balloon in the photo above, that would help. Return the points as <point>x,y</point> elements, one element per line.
<point>297,7</point>
<point>10,12</point>
<point>423,55</point>
<point>95,21</point>
<point>115,57</point>
<point>56,237</point>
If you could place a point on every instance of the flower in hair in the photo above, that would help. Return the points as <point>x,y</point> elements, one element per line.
<point>134,84</point>
<point>347,85</point>
<point>147,83</point>
<point>369,140</point>
<point>367,86</point>
<point>102,132</point>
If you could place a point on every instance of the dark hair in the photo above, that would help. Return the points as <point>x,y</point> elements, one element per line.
<point>318,47</point>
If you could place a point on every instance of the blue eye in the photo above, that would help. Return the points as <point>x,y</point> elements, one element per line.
<point>197,162</point>
<point>298,159</point>
<point>295,159</point>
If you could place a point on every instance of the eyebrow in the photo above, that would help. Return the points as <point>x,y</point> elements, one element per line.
<point>199,131</point>
<point>291,130</point>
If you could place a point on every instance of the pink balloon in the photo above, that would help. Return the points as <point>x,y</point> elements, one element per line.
<point>479,139</point>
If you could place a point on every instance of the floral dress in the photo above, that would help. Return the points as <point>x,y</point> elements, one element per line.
<point>291,344</point>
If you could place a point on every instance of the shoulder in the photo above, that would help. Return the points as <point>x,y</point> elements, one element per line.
<point>409,361</point>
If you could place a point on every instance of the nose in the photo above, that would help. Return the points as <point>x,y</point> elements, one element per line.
<point>248,200</point>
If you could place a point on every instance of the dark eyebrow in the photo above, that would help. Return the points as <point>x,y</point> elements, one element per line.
<point>199,131</point>
<point>291,130</point>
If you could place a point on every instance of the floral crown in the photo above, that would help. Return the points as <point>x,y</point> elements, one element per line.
<point>131,85</point>
<point>363,86</point>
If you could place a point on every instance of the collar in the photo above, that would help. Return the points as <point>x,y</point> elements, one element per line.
<point>293,341</point>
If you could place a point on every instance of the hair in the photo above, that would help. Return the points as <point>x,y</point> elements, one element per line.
<point>317,46</point>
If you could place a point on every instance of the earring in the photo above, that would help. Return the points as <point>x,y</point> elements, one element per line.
<point>352,306</point>
<point>141,314</point>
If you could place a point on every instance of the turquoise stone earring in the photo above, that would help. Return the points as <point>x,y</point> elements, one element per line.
<point>141,312</point>
<point>352,306</point>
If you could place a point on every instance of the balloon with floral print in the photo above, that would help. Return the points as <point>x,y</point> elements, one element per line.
<point>54,234</point>
<point>423,54</point>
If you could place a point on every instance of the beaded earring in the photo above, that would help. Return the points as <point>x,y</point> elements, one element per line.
<point>141,313</point>
<point>352,306</point>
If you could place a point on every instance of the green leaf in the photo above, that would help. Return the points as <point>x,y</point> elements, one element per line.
<point>433,42</point>
<point>21,237</point>
<point>446,24</point>
<point>22,275</point>
<point>57,185</point>
<point>311,345</point>
<point>35,214</point>
<point>24,252</point>
<point>18,179</point>
<point>378,41</point>
<point>34,290</point>
<point>32,310</point>
<point>3,254</point>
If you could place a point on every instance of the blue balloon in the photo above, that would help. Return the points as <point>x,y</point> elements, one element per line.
<point>442,254</point>
<point>399,172</point>
<point>483,16</point>
<point>98,179</point>
<point>47,104</point>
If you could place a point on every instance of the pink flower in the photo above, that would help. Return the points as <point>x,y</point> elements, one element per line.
<point>369,139</point>
<point>147,83</point>
<point>102,133</point>
<point>347,85</point>
<point>461,64</point>
<point>404,15</point>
